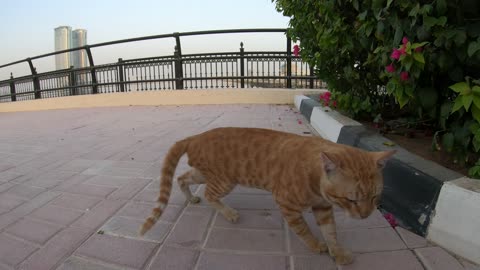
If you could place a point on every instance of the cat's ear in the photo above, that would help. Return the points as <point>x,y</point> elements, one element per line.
<point>328,164</point>
<point>381,158</point>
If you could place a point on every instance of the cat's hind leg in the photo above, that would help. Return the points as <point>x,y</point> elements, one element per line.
<point>191,177</point>
<point>214,191</point>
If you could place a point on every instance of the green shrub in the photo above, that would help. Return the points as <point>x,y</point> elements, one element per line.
<point>406,57</point>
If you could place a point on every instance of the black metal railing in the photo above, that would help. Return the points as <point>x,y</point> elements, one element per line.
<point>240,69</point>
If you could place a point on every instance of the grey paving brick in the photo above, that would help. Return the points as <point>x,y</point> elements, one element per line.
<point>33,230</point>
<point>247,240</point>
<point>13,251</point>
<point>218,261</point>
<point>391,260</point>
<point>191,228</point>
<point>56,249</point>
<point>117,250</point>
<point>174,258</point>
<point>436,258</point>
<point>77,263</point>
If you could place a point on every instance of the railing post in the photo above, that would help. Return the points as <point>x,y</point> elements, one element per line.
<point>178,63</point>
<point>312,73</point>
<point>121,75</point>
<point>92,70</point>
<point>36,82</point>
<point>13,93</point>
<point>242,65</point>
<point>289,62</point>
<point>72,82</point>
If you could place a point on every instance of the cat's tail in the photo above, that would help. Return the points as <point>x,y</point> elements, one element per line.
<point>169,165</point>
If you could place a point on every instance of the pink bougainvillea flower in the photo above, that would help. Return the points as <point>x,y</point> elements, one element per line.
<point>419,49</point>
<point>296,50</point>
<point>404,40</point>
<point>390,68</point>
<point>391,219</point>
<point>334,103</point>
<point>404,76</point>
<point>396,54</point>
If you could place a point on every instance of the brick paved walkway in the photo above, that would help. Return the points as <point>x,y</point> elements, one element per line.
<point>76,184</point>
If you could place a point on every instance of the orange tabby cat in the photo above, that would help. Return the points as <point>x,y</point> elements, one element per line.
<point>301,172</point>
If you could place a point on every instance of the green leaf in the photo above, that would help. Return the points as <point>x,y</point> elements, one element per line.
<point>473,47</point>
<point>467,101</point>
<point>476,90</point>
<point>445,113</point>
<point>476,101</point>
<point>416,45</point>
<point>389,2</point>
<point>441,6</point>
<point>362,15</point>
<point>398,35</point>
<point>476,143</point>
<point>476,113</point>
<point>460,37</point>
<point>409,90</point>
<point>391,86</point>
<point>442,21</point>
<point>429,21</point>
<point>458,104</point>
<point>419,57</point>
<point>447,141</point>
<point>474,127</point>
<point>407,62</point>
<point>461,87</point>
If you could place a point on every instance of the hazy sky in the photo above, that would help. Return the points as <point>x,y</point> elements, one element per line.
<point>27,27</point>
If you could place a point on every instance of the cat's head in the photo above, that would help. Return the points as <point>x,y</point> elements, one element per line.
<point>354,179</point>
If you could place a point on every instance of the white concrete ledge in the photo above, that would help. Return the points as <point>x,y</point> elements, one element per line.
<point>163,97</point>
<point>329,123</point>
<point>456,222</point>
<point>298,100</point>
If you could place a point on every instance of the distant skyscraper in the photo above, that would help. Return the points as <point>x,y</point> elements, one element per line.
<point>63,41</point>
<point>79,39</point>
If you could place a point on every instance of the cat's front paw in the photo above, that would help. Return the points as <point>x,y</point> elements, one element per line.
<point>231,215</point>
<point>341,255</point>
<point>319,247</point>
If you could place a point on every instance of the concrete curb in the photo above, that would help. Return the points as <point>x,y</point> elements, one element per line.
<point>429,199</point>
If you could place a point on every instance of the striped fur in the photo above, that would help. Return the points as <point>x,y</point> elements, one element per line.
<point>301,172</point>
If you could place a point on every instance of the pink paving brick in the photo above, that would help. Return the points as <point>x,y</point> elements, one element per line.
<point>129,227</point>
<point>91,190</point>
<point>174,258</point>
<point>56,249</point>
<point>247,240</point>
<point>8,202</point>
<point>117,250</point>
<point>13,251</point>
<point>218,261</point>
<point>74,201</point>
<point>318,261</point>
<point>33,230</point>
<point>77,263</point>
<point>141,211</point>
<point>111,181</point>
<point>371,240</point>
<point>410,239</point>
<point>191,228</point>
<point>56,215</point>
<point>129,190</point>
<point>98,215</point>
<point>24,191</point>
<point>435,258</point>
<point>391,260</point>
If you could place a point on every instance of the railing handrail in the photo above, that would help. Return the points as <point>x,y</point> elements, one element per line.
<point>173,35</point>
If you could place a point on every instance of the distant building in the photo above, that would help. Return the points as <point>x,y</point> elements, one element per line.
<point>65,39</point>
<point>79,39</point>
